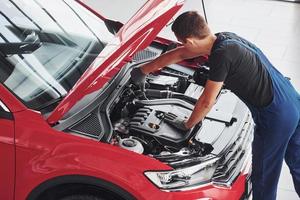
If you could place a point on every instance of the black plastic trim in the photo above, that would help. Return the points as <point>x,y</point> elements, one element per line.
<point>36,193</point>
<point>6,115</point>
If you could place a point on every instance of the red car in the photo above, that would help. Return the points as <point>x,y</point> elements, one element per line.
<point>73,126</point>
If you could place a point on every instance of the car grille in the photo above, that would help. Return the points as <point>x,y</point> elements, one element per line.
<point>230,164</point>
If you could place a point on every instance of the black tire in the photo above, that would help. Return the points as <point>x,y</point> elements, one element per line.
<point>76,187</point>
<point>80,192</point>
<point>82,197</point>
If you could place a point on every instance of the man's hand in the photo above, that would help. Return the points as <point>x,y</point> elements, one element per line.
<point>138,78</point>
<point>176,121</point>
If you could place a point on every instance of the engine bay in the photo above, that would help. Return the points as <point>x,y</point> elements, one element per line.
<point>138,118</point>
<point>128,117</point>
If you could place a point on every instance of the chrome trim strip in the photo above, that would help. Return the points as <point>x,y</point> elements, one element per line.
<point>245,139</point>
<point>4,106</point>
<point>194,187</point>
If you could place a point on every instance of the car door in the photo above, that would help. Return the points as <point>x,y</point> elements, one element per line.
<point>7,153</point>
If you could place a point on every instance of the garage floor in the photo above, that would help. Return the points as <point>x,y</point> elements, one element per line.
<point>272,25</point>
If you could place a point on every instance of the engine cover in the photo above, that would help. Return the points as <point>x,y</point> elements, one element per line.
<point>149,121</point>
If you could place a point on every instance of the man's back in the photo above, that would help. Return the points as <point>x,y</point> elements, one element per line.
<point>234,61</point>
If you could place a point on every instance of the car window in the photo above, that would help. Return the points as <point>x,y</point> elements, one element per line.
<point>44,52</point>
<point>3,108</point>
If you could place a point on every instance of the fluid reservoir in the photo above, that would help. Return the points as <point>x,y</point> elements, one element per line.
<point>132,145</point>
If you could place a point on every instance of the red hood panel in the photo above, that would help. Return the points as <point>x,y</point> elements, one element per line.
<point>135,35</point>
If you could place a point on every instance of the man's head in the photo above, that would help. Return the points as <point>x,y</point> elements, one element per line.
<point>191,29</point>
<point>190,24</point>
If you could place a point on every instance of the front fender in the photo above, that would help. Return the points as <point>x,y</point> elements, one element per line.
<point>44,153</point>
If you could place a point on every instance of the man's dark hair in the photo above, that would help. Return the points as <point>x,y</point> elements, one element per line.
<point>190,24</point>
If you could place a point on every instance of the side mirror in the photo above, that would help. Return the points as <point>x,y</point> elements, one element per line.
<point>30,44</point>
<point>32,38</point>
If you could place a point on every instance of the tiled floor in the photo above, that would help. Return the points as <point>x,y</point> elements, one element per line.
<point>273,25</point>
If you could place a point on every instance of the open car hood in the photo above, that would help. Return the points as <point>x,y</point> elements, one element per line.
<point>135,35</point>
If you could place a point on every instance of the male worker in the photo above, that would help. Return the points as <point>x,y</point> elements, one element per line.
<point>241,67</point>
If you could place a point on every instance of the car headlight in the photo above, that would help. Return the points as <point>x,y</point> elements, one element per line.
<point>185,177</point>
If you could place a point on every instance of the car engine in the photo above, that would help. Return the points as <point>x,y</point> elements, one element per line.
<point>138,118</point>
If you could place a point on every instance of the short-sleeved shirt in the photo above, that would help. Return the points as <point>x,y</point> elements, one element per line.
<point>240,69</point>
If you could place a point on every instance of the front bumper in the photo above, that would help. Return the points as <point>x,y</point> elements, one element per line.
<point>239,190</point>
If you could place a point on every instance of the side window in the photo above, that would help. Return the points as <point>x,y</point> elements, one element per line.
<point>4,112</point>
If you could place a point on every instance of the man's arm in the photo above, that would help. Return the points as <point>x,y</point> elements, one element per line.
<point>138,74</point>
<point>170,57</point>
<point>204,103</point>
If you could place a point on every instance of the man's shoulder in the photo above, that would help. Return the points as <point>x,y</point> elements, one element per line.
<point>225,50</point>
<point>226,40</point>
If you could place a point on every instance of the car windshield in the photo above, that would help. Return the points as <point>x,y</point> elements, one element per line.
<point>45,47</point>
